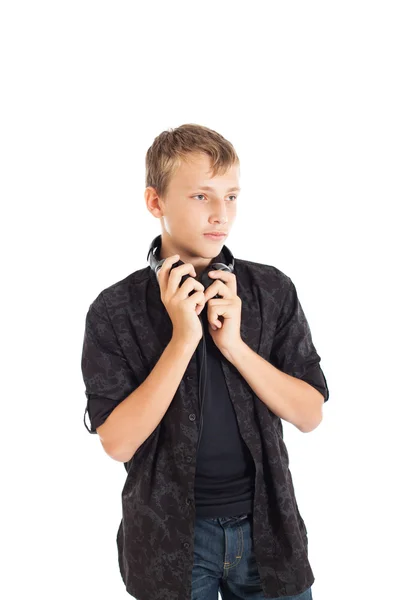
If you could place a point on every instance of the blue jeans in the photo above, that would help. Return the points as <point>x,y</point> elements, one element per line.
<point>224,561</point>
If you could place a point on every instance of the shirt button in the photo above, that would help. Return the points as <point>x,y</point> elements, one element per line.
<point>186,545</point>
<point>188,459</point>
<point>192,417</point>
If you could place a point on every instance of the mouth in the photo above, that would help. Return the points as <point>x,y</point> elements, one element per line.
<point>215,237</point>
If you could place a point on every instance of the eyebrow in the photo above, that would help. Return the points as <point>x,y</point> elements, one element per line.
<point>211,189</point>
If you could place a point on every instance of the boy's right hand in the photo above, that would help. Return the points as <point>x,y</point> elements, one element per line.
<point>183,309</point>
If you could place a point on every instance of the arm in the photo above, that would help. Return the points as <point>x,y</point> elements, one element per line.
<point>137,416</point>
<point>290,398</point>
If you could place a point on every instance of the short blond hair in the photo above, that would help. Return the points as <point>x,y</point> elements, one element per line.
<point>173,146</point>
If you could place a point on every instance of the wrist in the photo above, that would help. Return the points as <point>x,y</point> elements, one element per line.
<point>184,345</point>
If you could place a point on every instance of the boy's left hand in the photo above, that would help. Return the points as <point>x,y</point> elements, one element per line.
<point>227,335</point>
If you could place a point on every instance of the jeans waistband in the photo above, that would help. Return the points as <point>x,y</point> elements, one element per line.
<point>235,518</point>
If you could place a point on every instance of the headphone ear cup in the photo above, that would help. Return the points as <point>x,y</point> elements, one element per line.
<point>178,263</point>
<point>158,264</point>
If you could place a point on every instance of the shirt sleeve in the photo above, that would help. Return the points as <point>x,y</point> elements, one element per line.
<point>293,351</point>
<point>107,376</point>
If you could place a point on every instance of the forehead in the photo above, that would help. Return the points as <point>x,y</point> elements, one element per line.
<point>195,171</point>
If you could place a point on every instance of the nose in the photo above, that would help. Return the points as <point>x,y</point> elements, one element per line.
<point>221,218</point>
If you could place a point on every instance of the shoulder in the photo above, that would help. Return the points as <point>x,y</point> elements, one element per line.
<point>267,276</point>
<point>116,296</point>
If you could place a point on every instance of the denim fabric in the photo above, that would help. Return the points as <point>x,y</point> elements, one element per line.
<point>224,561</point>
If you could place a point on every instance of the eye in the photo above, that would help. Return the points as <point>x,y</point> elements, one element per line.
<point>198,195</point>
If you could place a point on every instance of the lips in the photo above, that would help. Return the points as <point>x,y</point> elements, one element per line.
<point>216,234</point>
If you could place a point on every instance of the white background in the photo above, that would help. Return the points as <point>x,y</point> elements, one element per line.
<point>308,93</point>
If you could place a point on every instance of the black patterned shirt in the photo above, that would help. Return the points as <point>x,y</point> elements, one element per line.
<point>127,329</point>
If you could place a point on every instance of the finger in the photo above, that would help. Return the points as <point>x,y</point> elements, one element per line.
<point>228,278</point>
<point>171,276</point>
<point>220,288</point>
<point>215,312</point>
<point>167,265</point>
<point>190,284</point>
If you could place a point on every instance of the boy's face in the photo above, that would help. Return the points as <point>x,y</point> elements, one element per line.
<point>188,211</point>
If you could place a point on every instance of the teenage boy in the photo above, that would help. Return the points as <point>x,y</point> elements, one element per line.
<point>208,504</point>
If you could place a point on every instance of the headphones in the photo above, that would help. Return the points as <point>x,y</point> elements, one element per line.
<point>153,258</point>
